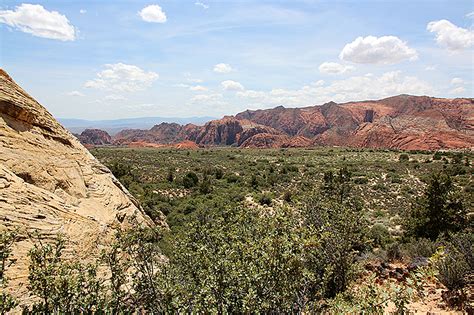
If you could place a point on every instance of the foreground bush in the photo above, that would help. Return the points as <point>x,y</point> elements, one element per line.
<point>441,209</point>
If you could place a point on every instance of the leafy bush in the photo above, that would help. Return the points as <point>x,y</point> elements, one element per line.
<point>232,178</point>
<point>437,156</point>
<point>265,200</point>
<point>379,235</point>
<point>458,261</point>
<point>7,239</point>
<point>61,286</point>
<point>394,252</point>
<point>361,180</point>
<point>287,196</point>
<point>403,157</point>
<point>420,247</point>
<point>190,180</point>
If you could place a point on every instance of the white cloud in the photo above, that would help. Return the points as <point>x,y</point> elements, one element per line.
<point>457,81</point>
<point>198,88</point>
<point>115,97</point>
<point>153,13</point>
<point>334,68</point>
<point>82,11</point>
<point>430,68</point>
<point>378,50</point>
<point>450,36</point>
<point>230,85</point>
<point>470,15</point>
<point>206,98</point>
<point>350,89</point>
<point>200,4</point>
<point>75,93</point>
<point>457,90</point>
<point>122,77</point>
<point>36,20</point>
<point>222,68</point>
<point>319,83</point>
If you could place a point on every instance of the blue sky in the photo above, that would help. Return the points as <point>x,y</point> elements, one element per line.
<point>117,59</point>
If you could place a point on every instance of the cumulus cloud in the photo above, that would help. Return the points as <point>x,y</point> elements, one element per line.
<point>450,36</point>
<point>378,50</point>
<point>153,13</point>
<point>75,93</point>
<point>82,11</point>
<point>122,77</point>
<point>198,88</point>
<point>36,20</point>
<point>457,81</point>
<point>201,4</point>
<point>458,90</point>
<point>223,68</point>
<point>334,68</point>
<point>350,89</point>
<point>230,85</point>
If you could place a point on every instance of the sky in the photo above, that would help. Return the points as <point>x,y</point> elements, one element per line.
<point>114,59</point>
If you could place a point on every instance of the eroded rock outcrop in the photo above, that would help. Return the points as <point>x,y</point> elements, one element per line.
<point>51,184</point>
<point>94,137</point>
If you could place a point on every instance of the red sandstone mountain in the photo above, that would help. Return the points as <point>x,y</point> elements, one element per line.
<point>94,137</point>
<point>402,122</point>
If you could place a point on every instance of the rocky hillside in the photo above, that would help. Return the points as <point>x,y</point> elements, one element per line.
<point>94,137</point>
<point>51,184</point>
<point>401,122</point>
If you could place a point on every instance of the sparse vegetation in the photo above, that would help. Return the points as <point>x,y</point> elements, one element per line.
<point>269,231</point>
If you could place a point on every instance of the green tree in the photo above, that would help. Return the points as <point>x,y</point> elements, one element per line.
<point>440,209</point>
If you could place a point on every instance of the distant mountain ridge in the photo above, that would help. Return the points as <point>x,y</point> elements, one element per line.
<point>401,122</point>
<point>113,126</point>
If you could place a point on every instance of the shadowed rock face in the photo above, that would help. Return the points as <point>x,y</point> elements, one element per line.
<point>51,184</point>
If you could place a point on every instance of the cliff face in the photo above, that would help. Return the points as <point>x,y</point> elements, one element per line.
<point>51,184</point>
<point>402,122</point>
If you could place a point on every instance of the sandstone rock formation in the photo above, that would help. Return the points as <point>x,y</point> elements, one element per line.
<point>94,137</point>
<point>399,122</point>
<point>51,184</point>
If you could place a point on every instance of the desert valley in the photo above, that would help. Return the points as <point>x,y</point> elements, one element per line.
<point>351,195</point>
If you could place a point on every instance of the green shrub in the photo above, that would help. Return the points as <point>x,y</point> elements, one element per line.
<point>437,156</point>
<point>453,270</point>
<point>232,178</point>
<point>190,180</point>
<point>379,235</point>
<point>394,252</point>
<point>265,200</point>
<point>60,286</point>
<point>457,264</point>
<point>420,247</point>
<point>287,196</point>
<point>361,180</point>
<point>7,239</point>
<point>403,157</point>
